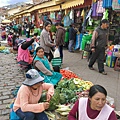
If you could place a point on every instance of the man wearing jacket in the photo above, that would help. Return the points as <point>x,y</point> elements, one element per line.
<point>99,42</point>
<point>72,37</point>
<point>60,35</point>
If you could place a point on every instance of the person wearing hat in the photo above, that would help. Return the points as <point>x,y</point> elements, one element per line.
<point>45,40</point>
<point>98,45</point>
<point>24,58</point>
<point>26,105</point>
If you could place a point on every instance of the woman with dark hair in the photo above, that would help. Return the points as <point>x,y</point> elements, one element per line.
<point>26,105</point>
<point>45,41</point>
<point>41,64</point>
<point>93,107</point>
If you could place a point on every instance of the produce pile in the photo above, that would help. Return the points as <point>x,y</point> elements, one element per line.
<point>67,92</point>
<point>68,74</point>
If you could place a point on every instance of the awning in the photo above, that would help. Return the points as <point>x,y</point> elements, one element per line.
<point>53,8</point>
<point>50,9</point>
<point>6,21</point>
<point>72,3</point>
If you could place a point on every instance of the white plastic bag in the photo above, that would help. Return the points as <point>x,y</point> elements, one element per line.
<point>56,53</point>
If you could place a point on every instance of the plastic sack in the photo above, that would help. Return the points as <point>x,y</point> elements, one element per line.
<point>13,115</point>
<point>110,59</point>
<point>85,39</point>
<point>78,41</point>
<point>56,53</point>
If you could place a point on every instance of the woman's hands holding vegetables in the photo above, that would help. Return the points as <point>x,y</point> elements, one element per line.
<point>48,97</point>
<point>46,105</point>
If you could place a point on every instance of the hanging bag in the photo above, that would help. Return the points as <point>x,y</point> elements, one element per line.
<point>56,53</point>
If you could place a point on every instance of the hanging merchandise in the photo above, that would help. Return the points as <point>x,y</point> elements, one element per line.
<point>94,13</point>
<point>78,14</point>
<point>89,13</point>
<point>107,3</point>
<point>115,5</point>
<point>59,16</point>
<point>100,9</point>
<point>45,17</point>
<point>83,13</point>
<point>90,21</point>
<point>33,18</point>
<point>52,15</point>
<point>67,21</point>
<point>72,14</point>
<point>119,1</point>
<point>78,41</point>
<point>105,14</point>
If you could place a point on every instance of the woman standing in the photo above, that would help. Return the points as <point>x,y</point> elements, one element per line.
<point>26,104</point>
<point>93,107</point>
<point>41,63</point>
<point>45,41</point>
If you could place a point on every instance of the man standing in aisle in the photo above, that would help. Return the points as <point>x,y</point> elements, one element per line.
<point>72,37</point>
<point>60,36</point>
<point>98,44</point>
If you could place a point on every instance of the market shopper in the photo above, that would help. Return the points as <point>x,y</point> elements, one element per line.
<point>72,37</point>
<point>98,45</point>
<point>45,41</point>
<point>26,104</point>
<point>93,107</point>
<point>41,64</point>
<point>60,36</point>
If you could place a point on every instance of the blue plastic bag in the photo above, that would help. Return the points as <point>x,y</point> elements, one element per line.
<point>13,115</point>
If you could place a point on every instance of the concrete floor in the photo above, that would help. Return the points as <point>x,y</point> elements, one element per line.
<point>111,81</point>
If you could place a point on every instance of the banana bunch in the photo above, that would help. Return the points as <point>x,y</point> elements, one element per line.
<point>63,110</point>
<point>82,83</point>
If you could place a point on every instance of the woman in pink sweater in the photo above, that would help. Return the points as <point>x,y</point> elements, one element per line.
<point>26,104</point>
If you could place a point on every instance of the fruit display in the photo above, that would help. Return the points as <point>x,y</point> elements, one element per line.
<point>82,83</point>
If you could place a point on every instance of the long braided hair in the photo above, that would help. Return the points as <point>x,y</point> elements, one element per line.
<point>38,48</point>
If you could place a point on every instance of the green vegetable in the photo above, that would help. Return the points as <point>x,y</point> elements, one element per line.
<point>62,98</point>
<point>55,100</point>
<point>43,97</point>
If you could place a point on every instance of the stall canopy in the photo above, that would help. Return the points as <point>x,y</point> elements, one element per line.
<point>72,3</point>
<point>50,9</point>
<point>6,21</point>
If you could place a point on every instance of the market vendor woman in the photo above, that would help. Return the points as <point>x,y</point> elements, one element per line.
<point>26,104</point>
<point>41,64</point>
<point>93,107</point>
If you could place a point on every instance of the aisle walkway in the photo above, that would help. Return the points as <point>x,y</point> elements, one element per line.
<point>111,81</point>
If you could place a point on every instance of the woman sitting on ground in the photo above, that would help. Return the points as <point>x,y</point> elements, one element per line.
<point>41,63</point>
<point>26,104</point>
<point>93,107</point>
<point>24,58</point>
